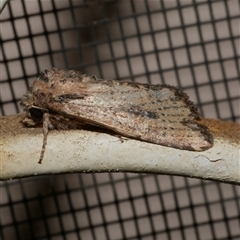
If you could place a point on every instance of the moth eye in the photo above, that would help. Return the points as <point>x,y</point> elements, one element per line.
<point>36,113</point>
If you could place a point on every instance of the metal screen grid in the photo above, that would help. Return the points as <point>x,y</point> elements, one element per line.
<point>192,44</point>
<point>106,206</point>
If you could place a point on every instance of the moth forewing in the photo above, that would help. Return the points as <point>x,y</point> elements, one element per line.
<point>158,114</point>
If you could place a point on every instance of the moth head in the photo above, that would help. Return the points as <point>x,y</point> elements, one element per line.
<point>28,104</point>
<point>36,113</point>
<point>34,116</point>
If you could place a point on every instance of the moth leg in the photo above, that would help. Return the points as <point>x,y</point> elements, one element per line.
<point>29,122</point>
<point>121,138</point>
<point>46,123</point>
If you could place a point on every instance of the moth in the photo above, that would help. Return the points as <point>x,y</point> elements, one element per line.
<point>159,114</point>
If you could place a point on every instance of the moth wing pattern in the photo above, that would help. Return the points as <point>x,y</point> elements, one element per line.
<point>159,114</point>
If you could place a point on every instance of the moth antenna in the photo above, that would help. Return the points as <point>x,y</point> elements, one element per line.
<point>45,133</point>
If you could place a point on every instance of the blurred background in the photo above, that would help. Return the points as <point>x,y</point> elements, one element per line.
<point>193,44</point>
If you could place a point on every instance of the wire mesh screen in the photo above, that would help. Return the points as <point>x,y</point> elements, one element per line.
<point>192,44</point>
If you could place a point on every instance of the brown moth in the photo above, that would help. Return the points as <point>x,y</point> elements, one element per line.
<point>159,114</point>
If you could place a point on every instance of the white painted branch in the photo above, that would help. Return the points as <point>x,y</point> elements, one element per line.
<point>87,151</point>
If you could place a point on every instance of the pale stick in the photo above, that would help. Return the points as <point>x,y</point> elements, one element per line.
<point>88,151</point>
